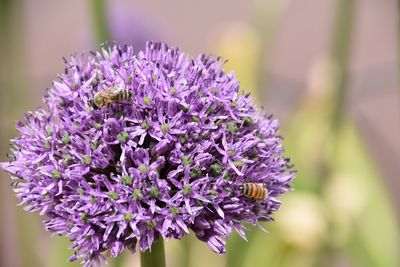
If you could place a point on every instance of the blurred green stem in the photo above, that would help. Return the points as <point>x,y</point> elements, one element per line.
<point>99,20</point>
<point>119,261</point>
<point>155,258</point>
<point>340,54</point>
<point>341,47</point>
<point>186,243</point>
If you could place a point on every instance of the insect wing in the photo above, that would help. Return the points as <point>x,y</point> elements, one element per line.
<point>113,93</point>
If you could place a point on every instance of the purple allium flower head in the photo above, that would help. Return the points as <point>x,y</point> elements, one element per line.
<point>167,160</point>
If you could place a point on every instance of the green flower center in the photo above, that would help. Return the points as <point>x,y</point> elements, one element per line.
<point>147,100</point>
<point>195,118</point>
<point>227,176</point>
<point>185,108</point>
<point>187,189</point>
<point>143,168</point>
<point>154,192</point>
<point>47,144</point>
<point>94,145</point>
<point>113,195</point>
<point>80,191</point>
<point>247,121</point>
<point>127,180</point>
<point>174,210</point>
<point>196,172</point>
<point>122,137</point>
<point>215,169</point>
<point>183,139</point>
<point>151,224</point>
<point>213,192</point>
<point>137,194</point>
<point>186,160</point>
<point>66,139</point>
<point>128,217</point>
<point>85,217</point>
<point>165,128</point>
<point>56,174</point>
<point>145,125</point>
<point>86,159</point>
<point>238,163</point>
<point>231,152</point>
<point>66,159</point>
<point>49,131</point>
<point>231,127</point>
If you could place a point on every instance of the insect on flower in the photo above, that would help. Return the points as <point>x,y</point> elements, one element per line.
<point>112,95</point>
<point>256,191</point>
<point>159,167</point>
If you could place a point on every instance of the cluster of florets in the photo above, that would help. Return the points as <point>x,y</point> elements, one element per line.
<point>168,159</point>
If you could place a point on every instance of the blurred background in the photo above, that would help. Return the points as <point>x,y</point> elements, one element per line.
<point>327,69</point>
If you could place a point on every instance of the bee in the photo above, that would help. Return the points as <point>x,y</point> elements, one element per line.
<point>112,95</point>
<point>256,191</point>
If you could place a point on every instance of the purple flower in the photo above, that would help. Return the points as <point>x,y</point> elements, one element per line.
<point>167,160</point>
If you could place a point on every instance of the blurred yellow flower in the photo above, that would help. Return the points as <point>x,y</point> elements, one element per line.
<point>347,194</point>
<point>302,222</point>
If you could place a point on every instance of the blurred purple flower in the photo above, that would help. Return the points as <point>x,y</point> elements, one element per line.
<point>130,24</point>
<point>170,160</point>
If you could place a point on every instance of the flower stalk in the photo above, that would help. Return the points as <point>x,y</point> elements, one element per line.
<point>155,257</point>
<point>340,54</point>
<point>99,20</point>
